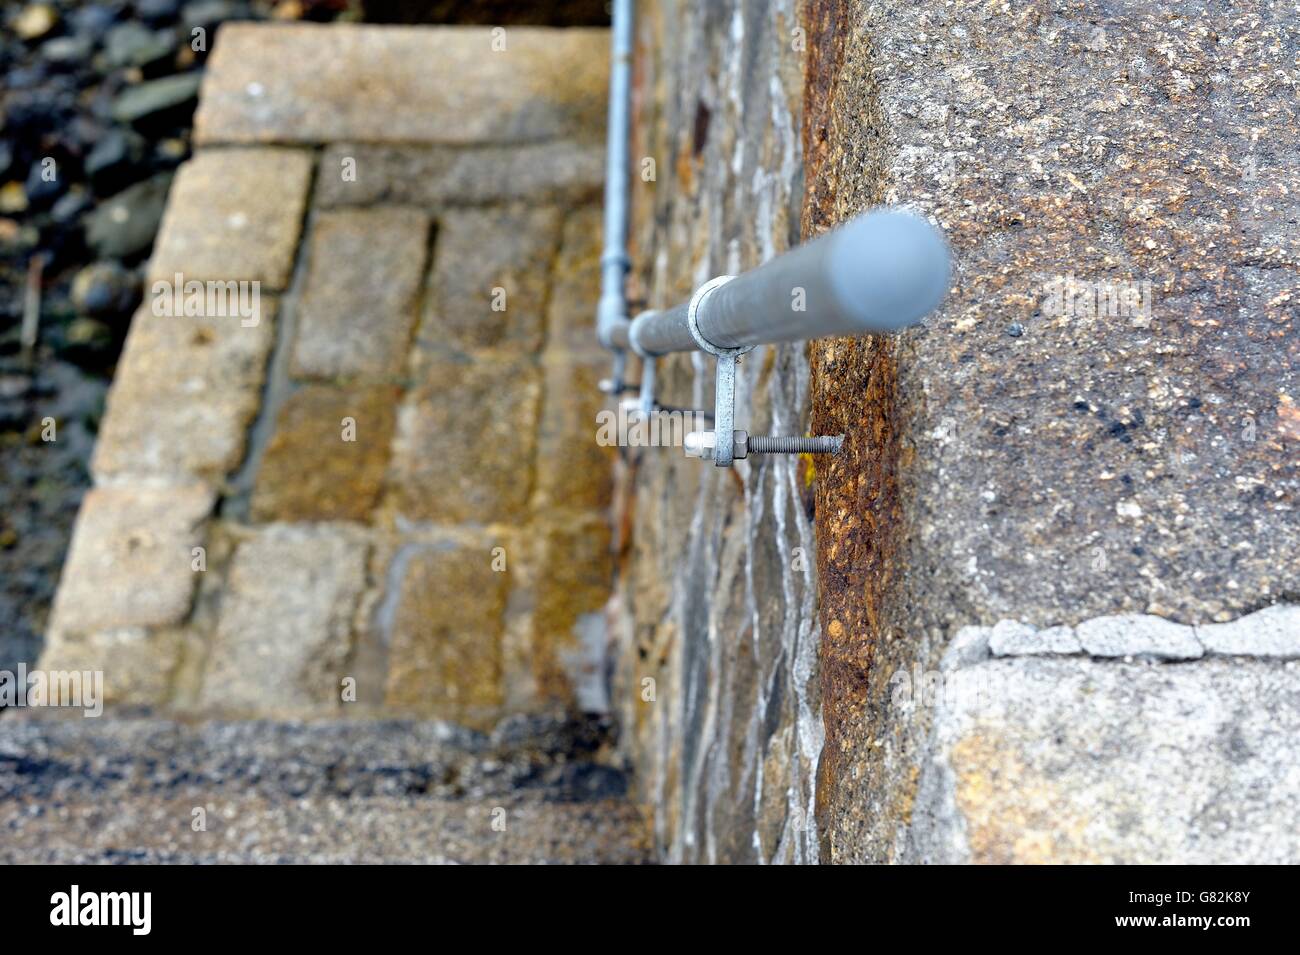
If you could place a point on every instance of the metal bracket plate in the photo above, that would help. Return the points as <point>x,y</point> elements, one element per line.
<point>724,390</point>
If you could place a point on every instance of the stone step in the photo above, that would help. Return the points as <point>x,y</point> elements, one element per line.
<point>128,791</point>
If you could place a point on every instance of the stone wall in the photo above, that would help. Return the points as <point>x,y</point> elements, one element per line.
<point>385,473</point>
<point>1054,557</point>
<point>718,577</point>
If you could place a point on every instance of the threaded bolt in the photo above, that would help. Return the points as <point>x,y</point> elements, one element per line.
<point>820,444</point>
<point>701,444</point>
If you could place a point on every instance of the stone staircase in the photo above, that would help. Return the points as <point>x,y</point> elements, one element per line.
<point>347,551</point>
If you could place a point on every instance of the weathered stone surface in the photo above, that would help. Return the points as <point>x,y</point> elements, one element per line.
<point>1007,637</point>
<point>1133,634</point>
<point>359,302</point>
<point>1115,635</point>
<point>1271,632</point>
<point>718,581</point>
<point>265,84</point>
<point>464,446</point>
<point>575,283</point>
<point>1005,462</point>
<point>185,392</point>
<point>286,621</point>
<point>138,665</point>
<point>327,457</point>
<point>574,572</point>
<point>1073,761</point>
<point>234,214</point>
<point>573,471</point>
<point>1012,638</point>
<point>445,648</point>
<point>129,563</point>
<point>970,645</point>
<point>367,173</point>
<point>1000,464</point>
<point>489,280</point>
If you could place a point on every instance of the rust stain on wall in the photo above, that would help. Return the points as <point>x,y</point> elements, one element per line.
<point>826,24</point>
<point>854,392</point>
<point>858,514</point>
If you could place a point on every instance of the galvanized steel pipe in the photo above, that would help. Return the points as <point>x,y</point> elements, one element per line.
<point>611,313</point>
<point>877,273</point>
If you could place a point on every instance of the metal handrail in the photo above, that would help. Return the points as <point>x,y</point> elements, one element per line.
<point>611,312</point>
<point>878,273</point>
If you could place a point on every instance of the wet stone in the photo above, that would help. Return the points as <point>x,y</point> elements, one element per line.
<point>327,456</point>
<point>445,648</point>
<point>160,101</point>
<point>124,226</point>
<point>465,443</point>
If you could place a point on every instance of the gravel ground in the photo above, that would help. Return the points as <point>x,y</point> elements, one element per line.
<point>532,791</point>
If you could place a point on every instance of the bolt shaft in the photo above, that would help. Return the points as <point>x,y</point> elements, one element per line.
<point>821,444</point>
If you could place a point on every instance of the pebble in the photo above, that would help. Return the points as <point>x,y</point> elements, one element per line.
<point>13,198</point>
<point>113,157</point>
<point>93,20</point>
<point>123,227</point>
<point>158,11</point>
<point>131,44</point>
<point>68,51</point>
<point>14,386</point>
<point>17,237</point>
<point>171,151</point>
<point>207,13</point>
<point>148,100</point>
<point>104,290</point>
<point>25,77</point>
<point>35,21</point>
<point>42,188</point>
<point>89,334</point>
<point>71,206</point>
